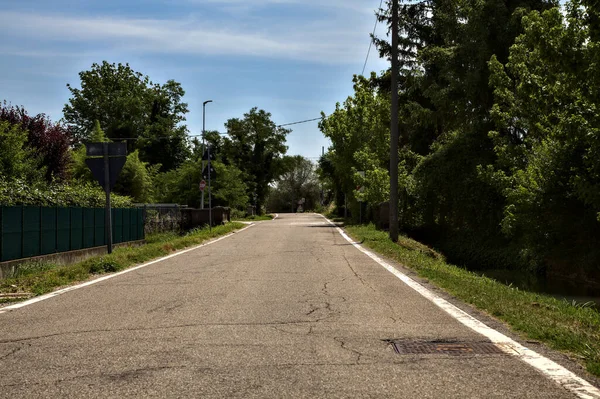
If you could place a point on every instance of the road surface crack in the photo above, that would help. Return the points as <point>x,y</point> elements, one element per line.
<point>358,275</point>
<point>344,346</point>
<point>392,312</point>
<point>10,353</point>
<point>134,329</point>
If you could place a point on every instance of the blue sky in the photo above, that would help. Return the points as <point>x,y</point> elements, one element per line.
<point>293,58</point>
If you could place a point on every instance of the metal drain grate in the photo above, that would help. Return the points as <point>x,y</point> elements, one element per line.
<point>445,348</point>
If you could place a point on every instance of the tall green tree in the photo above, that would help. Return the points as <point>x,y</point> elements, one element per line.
<point>180,185</point>
<point>135,179</point>
<point>359,133</point>
<point>17,160</point>
<point>128,104</point>
<point>79,169</point>
<point>255,145</point>
<point>445,104</point>
<point>547,138</point>
<point>299,180</point>
<point>229,188</point>
<point>49,141</point>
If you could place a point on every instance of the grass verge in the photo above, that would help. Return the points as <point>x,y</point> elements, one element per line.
<point>565,326</point>
<point>42,277</point>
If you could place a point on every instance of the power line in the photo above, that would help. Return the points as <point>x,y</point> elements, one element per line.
<point>199,135</point>
<point>304,121</point>
<point>363,71</point>
<point>371,41</point>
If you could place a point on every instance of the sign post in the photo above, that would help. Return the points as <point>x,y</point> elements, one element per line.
<point>106,161</point>
<point>208,173</point>
<point>209,192</point>
<point>202,188</point>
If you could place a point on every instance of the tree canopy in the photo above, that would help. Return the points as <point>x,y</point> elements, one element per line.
<point>255,145</point>
<point>129,105</point>
<point>498,131</point>
<point>298,181</point>
<point>47,141</point>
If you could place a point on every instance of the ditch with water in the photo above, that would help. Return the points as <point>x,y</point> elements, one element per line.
<point>559,288</point>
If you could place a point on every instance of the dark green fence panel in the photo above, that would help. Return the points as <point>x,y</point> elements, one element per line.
<point>126,225</point>
<point>31,231</point>
<point>48,230</point>
<point>88,227</point>
<point>140,224</point>
<point>133,222</point>
<point>12,232</point>
<point>99,229</point>
<point>76,228</point>
<point>63,229</point>
<point>117,225</point>
<point>133,230</point>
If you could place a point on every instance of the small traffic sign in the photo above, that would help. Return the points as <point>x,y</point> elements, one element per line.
<point>106,162</point>
<point>202,185</point>
<point>115,164</point>
<point>205,156</point>
<point>213,173</point>
<point>114,149</point>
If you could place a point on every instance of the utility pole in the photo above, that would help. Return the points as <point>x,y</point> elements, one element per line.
<point>394,128</point>
<point>322,188</point>
<point>208,149</point>
<point>203,141</point>
<point>107,209</point>
<point>209,192</point>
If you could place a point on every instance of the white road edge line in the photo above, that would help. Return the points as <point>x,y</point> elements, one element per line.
<point>104,278</point>
<point>549,368</point>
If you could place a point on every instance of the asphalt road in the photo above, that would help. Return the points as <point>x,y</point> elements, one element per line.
<point>286,308</point>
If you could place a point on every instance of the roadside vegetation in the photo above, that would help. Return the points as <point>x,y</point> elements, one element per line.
<point>42,163</point>
<point>499,158</point>
<point>566,326</point>
<point>37,278</point>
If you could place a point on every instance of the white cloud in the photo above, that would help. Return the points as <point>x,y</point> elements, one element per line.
<point>353,5</point>
<point>314,41</point>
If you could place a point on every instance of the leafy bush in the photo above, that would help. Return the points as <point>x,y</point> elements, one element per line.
<point>237,214</point>
<point>103,265</point>
<point>19,192</point>
<point>136,179</point>
<point>180,186</point>
<point>49,141</point>
<point>16,159</point>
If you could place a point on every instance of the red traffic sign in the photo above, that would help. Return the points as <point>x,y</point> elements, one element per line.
<point>202,185</point>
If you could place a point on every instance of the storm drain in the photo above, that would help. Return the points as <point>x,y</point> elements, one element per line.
<point>444,348</point>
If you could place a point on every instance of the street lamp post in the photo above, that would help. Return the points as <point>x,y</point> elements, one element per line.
<point>208,151</point>
<point>394,129</point>
<point>203,144</point>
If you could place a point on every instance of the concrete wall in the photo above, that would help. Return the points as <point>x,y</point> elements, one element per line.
<point>192,218</point>
<point>9,268</point>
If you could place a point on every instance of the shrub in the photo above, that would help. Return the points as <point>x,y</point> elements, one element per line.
<point>20,192</point>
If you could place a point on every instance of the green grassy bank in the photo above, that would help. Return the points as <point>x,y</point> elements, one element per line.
<point>565,326</point>
<point>42,277</point>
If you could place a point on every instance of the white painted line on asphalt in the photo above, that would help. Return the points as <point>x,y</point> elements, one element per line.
<point>549,368</point>
<point>103,278</point>
<point>309,224</point>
